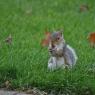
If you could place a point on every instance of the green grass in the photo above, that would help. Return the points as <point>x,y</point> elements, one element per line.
<point>24,62</point>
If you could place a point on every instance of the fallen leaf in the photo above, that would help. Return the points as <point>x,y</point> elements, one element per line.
<point>7,84</point>
<point>84,7</point>
<point>91,38</point>
<point>45,41</point>
<point>8,40</point>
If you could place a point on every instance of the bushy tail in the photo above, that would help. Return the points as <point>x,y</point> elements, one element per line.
<point>74,54</point>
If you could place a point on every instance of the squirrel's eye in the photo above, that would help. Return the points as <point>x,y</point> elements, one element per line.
<point>58,38</point>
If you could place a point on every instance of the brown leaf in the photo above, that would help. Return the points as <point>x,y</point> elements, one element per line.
<point>91,38</point>
<point>84,7</point>
<point>8,40</point>
<point>7,84</point>
<point>45,41</point>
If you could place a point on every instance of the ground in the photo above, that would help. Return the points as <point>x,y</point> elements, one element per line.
<point>11,93</point>
<point>23,61</point>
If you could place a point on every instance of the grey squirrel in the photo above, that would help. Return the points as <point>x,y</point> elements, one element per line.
<point>61,54</point>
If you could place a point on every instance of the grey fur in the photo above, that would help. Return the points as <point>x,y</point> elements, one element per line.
<point>61,55</point>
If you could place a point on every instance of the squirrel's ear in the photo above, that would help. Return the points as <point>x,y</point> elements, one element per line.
<point>60,31</point>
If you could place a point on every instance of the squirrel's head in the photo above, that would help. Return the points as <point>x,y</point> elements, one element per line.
<point>53,38</point>
<point>56,37</point>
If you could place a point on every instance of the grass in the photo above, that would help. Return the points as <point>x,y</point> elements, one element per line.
<point>24,63</point>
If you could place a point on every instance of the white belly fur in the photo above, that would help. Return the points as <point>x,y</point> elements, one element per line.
<point>56,63</point>
<point>60,62</point>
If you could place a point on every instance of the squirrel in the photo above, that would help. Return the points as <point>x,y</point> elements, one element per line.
<point>62,55</point>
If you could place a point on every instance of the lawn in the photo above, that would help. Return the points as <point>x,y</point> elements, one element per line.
<point>24,62</point>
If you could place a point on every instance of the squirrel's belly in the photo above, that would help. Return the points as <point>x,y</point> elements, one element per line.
<point>60,62</point>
